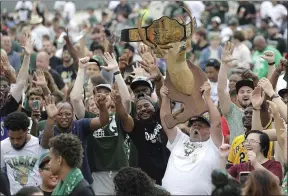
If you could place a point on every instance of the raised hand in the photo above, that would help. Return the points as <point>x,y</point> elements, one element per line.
<point>206,89</point>
<point>226,57</point>
<point>35,115</point>
<point>139,71</point>
<point>269,56</point>
<point>51,109</point>
<point>266,85</point>
<point>224,150</point>
<point>111,62</point>
<point>101,100</point>
<point>66,37</point>
<point>154,72</point>
<point>257,97</point>
<point>273,108</point>
<point>283,65</point>
<point>116,97</point>
<point>247,73</point>
<point>40,79</point>
<point>146,54</point>
<point>84,62</point>
<point>28,47</point>
<point>164,91</point>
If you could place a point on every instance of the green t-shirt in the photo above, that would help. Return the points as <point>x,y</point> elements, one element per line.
<point>105,147</point>
<point>32,65</point>
<point>261,65</point>
<point>40,127</point>
<point>16,46</point>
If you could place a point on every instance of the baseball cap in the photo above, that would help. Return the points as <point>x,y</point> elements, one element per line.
<point>107,86</point>
<point>242,83</point>
<point>213,62</point>
<point>216,19</point>
<point>141,80</point>
<point>43,159</point>
<point>203,118</point>
<point>282,92</point>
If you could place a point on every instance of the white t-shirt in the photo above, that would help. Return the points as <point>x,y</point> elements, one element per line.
<point>265,8</point>
<point>214,91</point>
<point>276,14</point>
<point>190,166</point>
<point>37,35</point>
<point>22,165</point>
<point>243,55</point>
<point>281,83</point>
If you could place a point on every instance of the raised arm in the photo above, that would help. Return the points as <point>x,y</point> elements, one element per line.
<point>165,110</point>
<point>126,120</point>
<point>224,97</point>
<point>77,91</point>
<point>279,124</point>
<point>270,58</point>
<point>214,115</point>
<point>71,50</point>
<point>257,99</point>
<point>277,72</point>
<point>267,87</point>
<point>103,119</point>
<point>112,66</point>
<point>52,112</point>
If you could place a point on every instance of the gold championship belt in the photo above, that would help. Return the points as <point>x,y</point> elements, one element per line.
<point>167,37</point>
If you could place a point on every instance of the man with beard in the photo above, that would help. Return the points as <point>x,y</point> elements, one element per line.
<point>148,136</point>
<point>244,90</point>
<point>47,46</point>
<point>238,153</point>
<point>193,155</point>
<point>20,153</point>
<point>10,96</point>
<point>68,69</point>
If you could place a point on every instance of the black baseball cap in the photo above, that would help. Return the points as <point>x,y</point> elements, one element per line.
<point>204,118</point>
<point>242,83</point>
<point>282,92</point>
<point>213,63</point>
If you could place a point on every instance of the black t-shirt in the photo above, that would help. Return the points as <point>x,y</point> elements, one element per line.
<point>82,189</point>
<point>45,193</point>
<point>57,79</point>
<point>278,43</point>
<point>68,74</point>
<point>150,141</point>
<point>55,62</point>
<point>248,8</point>
<point>11,105</point>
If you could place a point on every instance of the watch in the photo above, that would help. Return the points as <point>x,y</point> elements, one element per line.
<point>275,95</point>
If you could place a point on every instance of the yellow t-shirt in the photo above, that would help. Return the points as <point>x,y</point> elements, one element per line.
<point>238,153</point>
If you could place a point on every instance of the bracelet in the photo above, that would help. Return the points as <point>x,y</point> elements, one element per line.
<point>116,73</point>
<point>256,109</point>
<point>271,63</point>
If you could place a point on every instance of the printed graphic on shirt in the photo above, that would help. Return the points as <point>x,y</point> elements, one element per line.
<point>190,147</point>
<point>109,130</point>
<point>4,132</point>
<point>67,76</point>
<point>155,135</point>
<point>22,168</point>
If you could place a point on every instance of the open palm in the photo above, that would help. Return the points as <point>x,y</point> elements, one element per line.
<point>227,57</point>
<point>28,47</point>
<point>110,61</point>
<point>51,109</point>
<point>257,97</point>
<point>40,79</point>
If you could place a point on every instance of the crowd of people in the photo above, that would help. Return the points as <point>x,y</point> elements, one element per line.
<point>83,113</point>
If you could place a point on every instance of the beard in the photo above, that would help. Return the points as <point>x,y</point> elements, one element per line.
<point>20,147</point>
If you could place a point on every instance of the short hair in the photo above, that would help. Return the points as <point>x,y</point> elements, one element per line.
<point>129,47</point>
<point>131,181</point>
<point>264,141</point>
<point>27,191</point>
<point>17,121</point>
<point>224,186</point>
<point>239,35</point>
<point>96,46</point>
<point>45,37</point>
<point>96,80</point>
<point>69,147</point>
<point>37,91</point>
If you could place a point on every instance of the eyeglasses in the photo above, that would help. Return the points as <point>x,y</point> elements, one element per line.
<point>250,142</point>
<point>47,169</point>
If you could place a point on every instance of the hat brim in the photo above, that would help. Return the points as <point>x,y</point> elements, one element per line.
<point>99,87</point>
<point>242,83</point>
<point>43,161</point>
<point>282,92</point>
<point>201,119</point>
<point>34,22</point>
<point>134,85</point>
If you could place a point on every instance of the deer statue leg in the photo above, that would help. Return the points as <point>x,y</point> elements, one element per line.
<point>194,105</point>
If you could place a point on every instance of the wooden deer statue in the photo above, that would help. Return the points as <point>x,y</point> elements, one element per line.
<point>183,78</point>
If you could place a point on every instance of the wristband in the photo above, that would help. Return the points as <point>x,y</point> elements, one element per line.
<point>274,96</point>
<point>116,73</point>
<point>273,63</point>
<point>256,109</point>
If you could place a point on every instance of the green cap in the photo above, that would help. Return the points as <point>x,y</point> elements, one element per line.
<point>99,59</point>
<point>43,159</point>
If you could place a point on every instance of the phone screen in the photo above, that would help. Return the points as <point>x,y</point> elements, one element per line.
<point>36,105</point>
<point>243,177</point>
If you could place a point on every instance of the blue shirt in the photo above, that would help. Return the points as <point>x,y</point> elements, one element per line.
<point>80,128</point>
